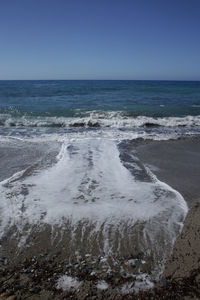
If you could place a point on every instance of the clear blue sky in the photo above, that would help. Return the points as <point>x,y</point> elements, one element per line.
<point>104,39</point>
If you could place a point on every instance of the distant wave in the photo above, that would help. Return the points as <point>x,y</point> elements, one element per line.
<point>100,119</point>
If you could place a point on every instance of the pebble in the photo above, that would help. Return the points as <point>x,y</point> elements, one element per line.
<point>87,255</point>
<point>37,290</point>
<point>11,297</point>
<point>117,280</point>
<point>27,270</point>
<point>3,238</point>
<point>69,265</point>
<point>44,269</point>
<point>16,287</point>
<point>163,282</point>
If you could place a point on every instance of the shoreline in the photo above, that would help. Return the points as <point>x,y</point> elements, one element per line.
<point>35,277</point>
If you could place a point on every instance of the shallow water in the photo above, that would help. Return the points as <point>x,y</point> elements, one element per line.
<point>97,194</point>
<point>68,166</point>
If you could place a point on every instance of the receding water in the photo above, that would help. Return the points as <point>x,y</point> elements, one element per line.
<point>68,163</point>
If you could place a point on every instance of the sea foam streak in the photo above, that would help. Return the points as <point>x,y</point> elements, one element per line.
<point>88,181</point>
<point>89,185</point>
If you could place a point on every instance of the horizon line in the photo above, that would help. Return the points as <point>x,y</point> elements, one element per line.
<point>187,80</point>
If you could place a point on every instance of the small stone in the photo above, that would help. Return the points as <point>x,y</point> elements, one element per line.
<point>16,287</point>
<point>11,297</point>
<point>37,290</point>
<point>138,279</point>
<point>103,259</point>
<point>109,277</point>
<point>87,255</point>
<point>117,280</point>
<point>92,273</point>
<point>163,282</point>
<point>26,270</point>
<point>84,270</point>
<point>3,238</point>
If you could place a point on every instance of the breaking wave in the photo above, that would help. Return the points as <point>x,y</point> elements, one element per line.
<point>97,119</point>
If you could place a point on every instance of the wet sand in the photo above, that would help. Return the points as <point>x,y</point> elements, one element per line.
<point>174,162</point>
<point>186,252</point>
<point>178,164</point>
<point>15,157</point>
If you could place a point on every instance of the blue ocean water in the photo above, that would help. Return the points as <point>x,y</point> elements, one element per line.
<point>75,98</point>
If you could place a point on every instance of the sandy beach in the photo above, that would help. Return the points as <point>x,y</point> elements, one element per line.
<point>100,150</point>
<point>176,163</point>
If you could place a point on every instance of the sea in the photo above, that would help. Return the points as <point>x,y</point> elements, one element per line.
<point>67,161</point>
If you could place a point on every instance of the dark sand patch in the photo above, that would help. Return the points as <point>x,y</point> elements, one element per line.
<point>175,162</point>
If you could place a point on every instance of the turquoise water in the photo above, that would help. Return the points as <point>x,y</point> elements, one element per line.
<point>75,98</point>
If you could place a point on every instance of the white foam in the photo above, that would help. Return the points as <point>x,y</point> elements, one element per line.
<point>141,282</point>
<point>108,133</point>
<point>102,285</point>
<point>89,181</point>
<point>67,283</point>
<point>102,119</point>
